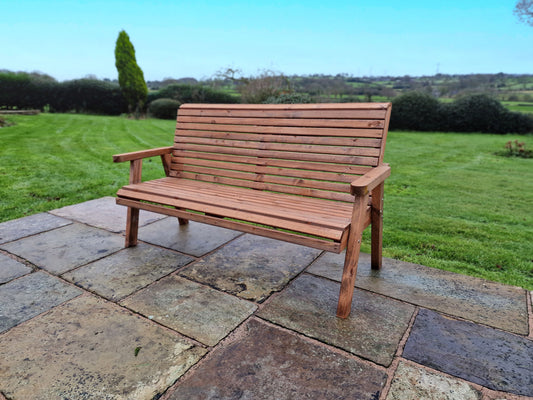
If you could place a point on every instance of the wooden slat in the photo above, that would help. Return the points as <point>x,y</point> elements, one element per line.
<point>326,140</point>
<point>375,131</point>
<point>298,203</point>
<point>363,122</point>
<point>317,243</point>
<point>141,194</point>
<point>270,113</point>
<point>180,162</point>
<point>284,155</point>
<point>262,203</point>
<point>311,106</point>
<point>258,177</point>
<point>310,166</point>
<point>323,194</point>
<point>258,145</point>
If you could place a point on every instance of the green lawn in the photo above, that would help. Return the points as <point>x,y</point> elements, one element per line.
<point>450,202</point>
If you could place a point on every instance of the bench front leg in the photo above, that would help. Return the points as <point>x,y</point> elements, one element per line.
<point>377,227</point>
<point>352,256</point>
<point>132,217</point>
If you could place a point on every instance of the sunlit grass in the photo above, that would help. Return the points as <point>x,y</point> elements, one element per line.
<point>450,202</point>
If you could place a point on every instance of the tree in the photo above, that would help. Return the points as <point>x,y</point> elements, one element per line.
<point>130,75</point>
<point>524,11</point>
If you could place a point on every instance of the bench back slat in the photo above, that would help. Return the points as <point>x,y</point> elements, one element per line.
<point>312,150</point>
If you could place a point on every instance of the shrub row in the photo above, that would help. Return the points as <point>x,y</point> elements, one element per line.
<point>22,90</point>
<point>475,113</point>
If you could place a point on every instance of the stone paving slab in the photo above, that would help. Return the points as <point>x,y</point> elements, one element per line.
<point>66,248</point>
<point>268,363</point>
<point>104,213</point>
<point>194,238</point>
<point>26,226</point>
<point>373,330</point>
<point>475,299</point>
<point>119,275</point>
<point>194,310</point>
<point>479,354</point>
<point>252,267</point>
<point>411,382</point>
<point>89,348</point>
<point>31,295</point>
<point>11,269</point>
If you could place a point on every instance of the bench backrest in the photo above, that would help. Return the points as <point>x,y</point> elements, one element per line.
<point>312,150</point>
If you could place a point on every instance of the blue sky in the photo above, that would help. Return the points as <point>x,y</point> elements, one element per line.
<point>71,39</point>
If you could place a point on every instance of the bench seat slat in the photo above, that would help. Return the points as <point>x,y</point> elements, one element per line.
<point>269,204</point>
<point>295,204</point>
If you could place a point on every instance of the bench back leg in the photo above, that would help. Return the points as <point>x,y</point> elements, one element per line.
<point>352,257</point>
<point>377,227</point>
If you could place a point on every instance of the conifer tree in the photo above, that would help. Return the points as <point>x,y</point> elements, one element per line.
<point>130,75</point>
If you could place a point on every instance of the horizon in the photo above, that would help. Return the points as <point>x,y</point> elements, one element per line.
<point>75,39</point>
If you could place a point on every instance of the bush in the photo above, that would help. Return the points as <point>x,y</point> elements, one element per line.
<point>22,90</point>
<point>164,108</point>
<point>416,111</point>
<point>481,113</point>
<point>192,94</point>
<point>289,98</point>
<point>89,96</point>
<point>473,113</point>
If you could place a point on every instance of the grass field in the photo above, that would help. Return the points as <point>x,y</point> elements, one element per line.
<point>450,202</point>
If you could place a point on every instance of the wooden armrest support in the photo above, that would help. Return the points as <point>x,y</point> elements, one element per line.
<point>364,184</point>
<point>139,155</point>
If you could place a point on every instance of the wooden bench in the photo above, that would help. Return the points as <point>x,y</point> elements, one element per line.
<point>310,174</point>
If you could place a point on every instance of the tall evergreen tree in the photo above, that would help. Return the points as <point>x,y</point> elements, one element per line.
<point>130,75</point>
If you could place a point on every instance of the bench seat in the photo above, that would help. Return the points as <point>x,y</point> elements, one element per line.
<point>325,220</point>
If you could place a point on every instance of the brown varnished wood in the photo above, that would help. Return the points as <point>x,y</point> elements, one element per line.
<point>310,174</point>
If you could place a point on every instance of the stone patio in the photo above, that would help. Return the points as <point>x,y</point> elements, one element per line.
<point>201,312</point>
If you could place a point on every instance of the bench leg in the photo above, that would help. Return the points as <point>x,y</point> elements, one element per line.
<point>132,226</point>
<point>377,227</point>
<point>183,221</point>
<point>352,257</point>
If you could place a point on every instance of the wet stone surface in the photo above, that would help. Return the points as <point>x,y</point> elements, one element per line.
<point>268,363</point>
<point>413,383</point>
<point>11,269</point>
<point>194,310</point>
<point>127,271</point>
<point>66,248</point>
<point>478,300</point>
<point>99,351</point>
<point>252,267</point>
<point>194,238</point>
<point>104,213</point>
<point>373,329</point>
<point>26,226</point>
<point>31,295</point>
<point>479,354</point>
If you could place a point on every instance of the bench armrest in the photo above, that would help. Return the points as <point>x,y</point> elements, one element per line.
<point>139,155</point>
<point>365,183</point>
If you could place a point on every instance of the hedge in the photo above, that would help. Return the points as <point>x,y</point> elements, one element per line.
<point>474,113</point>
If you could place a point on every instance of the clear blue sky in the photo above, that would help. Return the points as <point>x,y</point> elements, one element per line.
<point>70,39</point>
